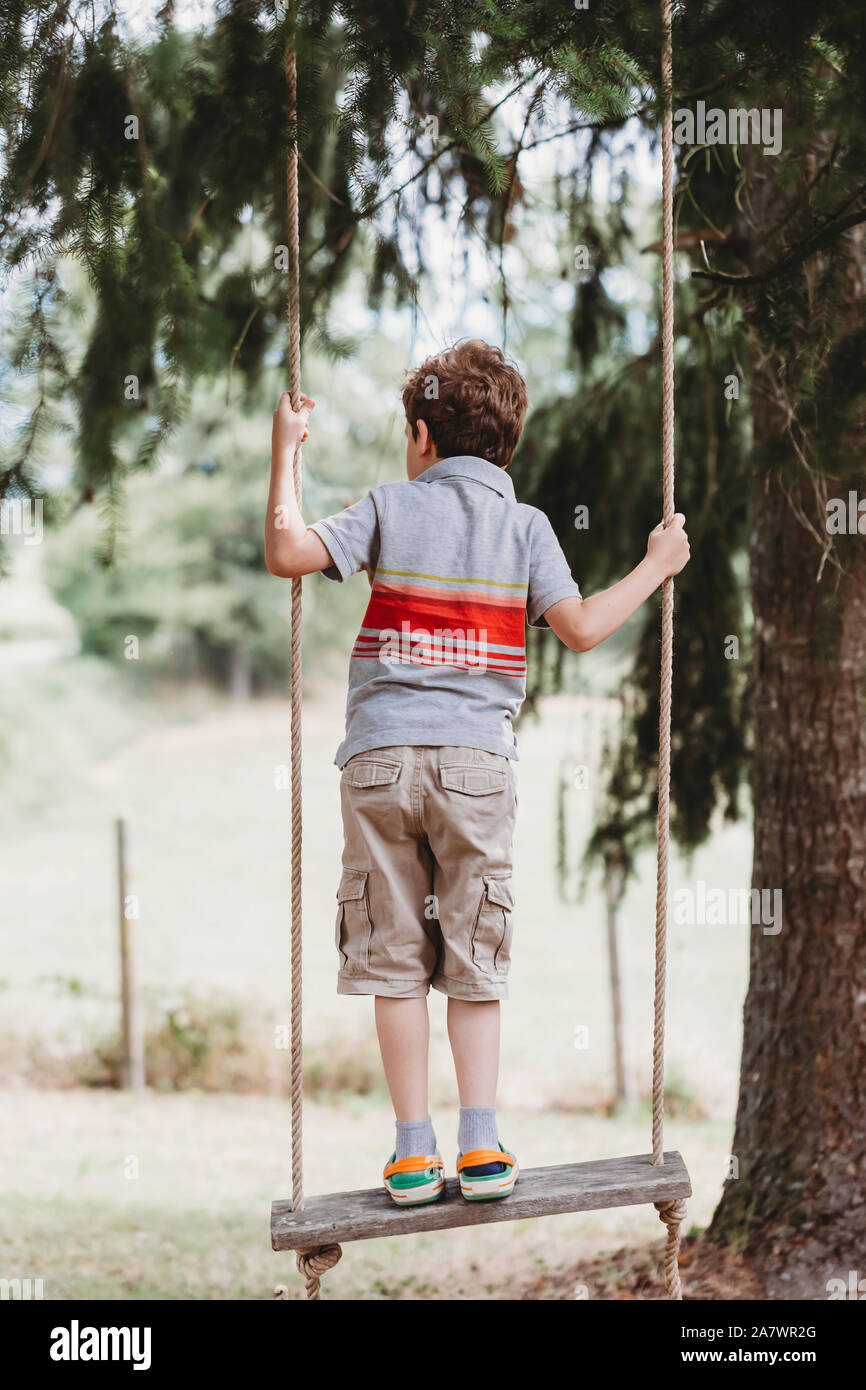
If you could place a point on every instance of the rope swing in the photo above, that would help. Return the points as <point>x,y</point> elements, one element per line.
<point>671,1213</point>
<point>312,1264</point>
<point>315,1261</point>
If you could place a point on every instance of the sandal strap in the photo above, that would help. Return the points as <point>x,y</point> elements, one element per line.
<point>478,1157</point>
<point>417,1163</point>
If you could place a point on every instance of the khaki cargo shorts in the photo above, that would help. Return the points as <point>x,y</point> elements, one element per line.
<point>425,895</point>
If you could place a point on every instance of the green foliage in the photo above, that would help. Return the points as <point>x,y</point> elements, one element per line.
<point>156,219</point>
<point>183,291</point>
<point>191,1044</point>
<point>598,447</point>
<point>189,584</point>
<point>210,1043</point>
<point>188,576</point>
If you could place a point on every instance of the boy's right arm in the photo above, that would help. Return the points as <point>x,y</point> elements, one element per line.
<point>583,623</point>
<point>291,548</point>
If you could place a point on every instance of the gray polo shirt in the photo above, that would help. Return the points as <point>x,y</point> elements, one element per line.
<point>457,567</point>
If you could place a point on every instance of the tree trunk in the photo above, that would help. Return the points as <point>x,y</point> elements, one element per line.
<point>799,1199</point>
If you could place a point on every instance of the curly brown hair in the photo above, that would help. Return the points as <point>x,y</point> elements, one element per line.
<point>472,399</point>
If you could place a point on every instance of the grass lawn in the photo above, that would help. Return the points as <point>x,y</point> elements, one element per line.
<point>209,853</point>
<point>209,837</point>
<point>194,1223</point>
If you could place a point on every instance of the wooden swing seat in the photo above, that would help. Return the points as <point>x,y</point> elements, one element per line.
<point>370,1213</point>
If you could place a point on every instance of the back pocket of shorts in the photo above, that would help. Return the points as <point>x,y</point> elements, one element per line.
<point>354,927</point>
<point>371,772</point>
<point>473,779</point>
<point>492,930</point>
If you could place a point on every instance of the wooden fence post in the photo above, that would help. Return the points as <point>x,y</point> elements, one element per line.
<point>128,916</point>
<point>614,888</point>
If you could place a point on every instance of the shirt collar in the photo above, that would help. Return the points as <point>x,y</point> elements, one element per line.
<point>468,466</point>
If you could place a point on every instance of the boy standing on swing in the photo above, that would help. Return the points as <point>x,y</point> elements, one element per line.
<point>437,676</point>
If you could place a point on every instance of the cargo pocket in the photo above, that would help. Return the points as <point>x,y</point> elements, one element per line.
<point>354,927</point>
<point>491,933</point>
<point>472,778</point>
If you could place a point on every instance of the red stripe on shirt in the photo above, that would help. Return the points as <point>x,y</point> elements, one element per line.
<point>504,626</point>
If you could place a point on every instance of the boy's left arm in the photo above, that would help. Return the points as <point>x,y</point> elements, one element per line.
<point>582,623</point>
<point>291,547</point>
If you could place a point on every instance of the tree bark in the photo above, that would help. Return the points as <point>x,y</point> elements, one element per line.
<point>799,1200</point>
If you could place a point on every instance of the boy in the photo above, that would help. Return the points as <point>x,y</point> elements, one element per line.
<point>436,677</point>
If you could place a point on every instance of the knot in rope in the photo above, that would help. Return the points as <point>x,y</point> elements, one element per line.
<point>312,1264</point>
<point>672,1214</point>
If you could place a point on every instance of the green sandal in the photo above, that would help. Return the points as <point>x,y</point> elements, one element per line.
<point>485,1187</point>
<point>411,1181</point>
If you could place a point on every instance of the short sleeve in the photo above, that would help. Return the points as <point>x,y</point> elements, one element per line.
<point>549,574</point>
<point>352,538</point>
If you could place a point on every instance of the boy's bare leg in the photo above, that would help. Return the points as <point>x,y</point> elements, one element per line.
<point>403,1029</point>
<point>473,1031</point>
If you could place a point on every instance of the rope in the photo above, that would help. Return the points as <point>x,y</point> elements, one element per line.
<point>671,1213</point>
<point>294,321</point>
<point>312,1264</point>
